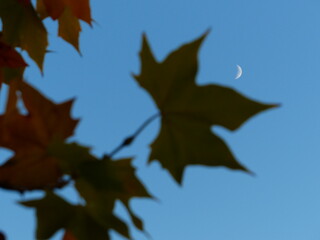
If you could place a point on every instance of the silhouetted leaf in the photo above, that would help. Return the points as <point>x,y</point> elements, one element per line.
<point>29,137</point>
<point>114,178</point>
<point>189,111</point>
<point>23,28</point>
<point>103,182</point>
<point>70,156</point>
<point>134,218</point>
<point>54,213</point>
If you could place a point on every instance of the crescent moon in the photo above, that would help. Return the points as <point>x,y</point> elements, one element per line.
<point>239,73</point>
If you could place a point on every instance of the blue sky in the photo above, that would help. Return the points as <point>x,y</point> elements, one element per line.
<point>277,43</point>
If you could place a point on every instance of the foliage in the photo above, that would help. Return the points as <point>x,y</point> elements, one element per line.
<point>45,160</point>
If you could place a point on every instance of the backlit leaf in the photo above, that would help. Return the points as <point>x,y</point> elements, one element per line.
<point>69,28</point>
<point>79,8</point>
<point>29,136</point>
<point>41,9</point>
<point>68,13</point>
<point>188,111</point>
<point>23,28</point>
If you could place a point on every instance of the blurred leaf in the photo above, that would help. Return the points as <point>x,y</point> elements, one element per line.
<point>2,236</point>
<point>79,8</point>
<point>189,111</point>
<point>70,155</point>
<point>101,183</point>
<point>113,178</point>
<point>11,63</point>
<point>69,28</point>
<point>68,236</point>
<point>41,9</point>
<point>68,13</point>
<point>54,213</point>
<point>134,218</point>
<point>29,137</point>
<point>23,28</point>
<point>105,181</point>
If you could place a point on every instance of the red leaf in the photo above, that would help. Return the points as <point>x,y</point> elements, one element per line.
<point>10,62</point>
<point>9,57</point>
<point>29,136</point>
<point>68,236</point>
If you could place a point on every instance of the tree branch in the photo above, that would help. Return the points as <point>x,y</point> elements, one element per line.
<point>127,141</point>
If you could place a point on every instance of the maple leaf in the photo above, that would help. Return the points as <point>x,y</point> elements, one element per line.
<point>79,8</point>
<point>102,182</point>
<point>188,111</point>
<point>23,28</point>
<point>29,136</point>
<point>54,213</point>
<point>69,28</point>
<point>11,63</point>
<point>68,13</point>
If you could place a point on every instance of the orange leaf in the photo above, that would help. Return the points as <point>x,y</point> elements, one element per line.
<point>29,136</point>
<point>79,8</point>
<point>41,9</point>
<point>69,28</point>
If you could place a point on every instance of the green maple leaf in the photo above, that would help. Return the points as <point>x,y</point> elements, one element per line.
<point>188,111</point>
<point>54,213</point>
<point>105,181</point>
<point>101,183</point>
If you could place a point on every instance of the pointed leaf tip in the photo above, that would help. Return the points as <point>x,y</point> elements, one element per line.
<point>146,52</point>
<point>189,111</point>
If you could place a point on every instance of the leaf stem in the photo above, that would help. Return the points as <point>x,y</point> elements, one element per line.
<point>127,141</point>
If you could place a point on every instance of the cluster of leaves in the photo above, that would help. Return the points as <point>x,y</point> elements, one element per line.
<point>23,28</point>
<point>45,160</point>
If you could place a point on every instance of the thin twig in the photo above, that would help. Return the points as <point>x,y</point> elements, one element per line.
<point>131,138</point>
